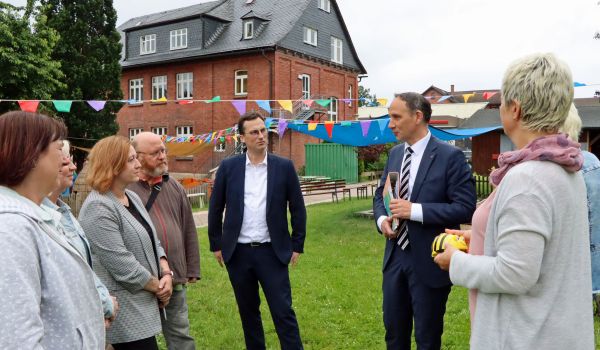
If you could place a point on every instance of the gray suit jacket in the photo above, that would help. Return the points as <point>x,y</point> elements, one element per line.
<point>124,261</point>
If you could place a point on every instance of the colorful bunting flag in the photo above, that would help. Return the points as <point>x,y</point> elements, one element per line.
<point>264,105</point>
<point>347,100</point>
<point>467,97</point>
<point>29,106</point>
<point>62,105</point>
<point>488,95</point>
<point>97,105</point>
<point>323,103</point>
<point>444,98</point>
<point>162,99</point>
<point>312,126</point>
<point>214,99</point>
<point>281,127</point>
<point>578,84</point>
<point>382,102</point>
<point>329,128</point>
<point>268,122</point>
<point>365,125</point>
<point>383,123</point>
<point>286,104</point>
<point>240,106</point>
<point>186,102</point>
<point>308,102</point>
<point>346,123</point>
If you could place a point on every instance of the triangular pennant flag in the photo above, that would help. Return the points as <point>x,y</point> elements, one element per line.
<point>298,121</point>
<point>286,104</point>
<point>467,97</point>
<point>268,122</point>
<point>308,102</point>
<point>578,84</point>
<point>185,102</point>
<point>234,137</point>
<point>62,105</point>
<point>134,101</point>
<point>444,98</point>
<point>29,106</point>
<point>365,125</point>
<point>222,139</point>
<point>312,126</point>
<point>347,100</point>
<point>214,99</point>
<point>346,123</point>
<point>329,128</point>
<point>382,102</point>
<point>323,103</point>
<point>97,105</point>
<point>281,127</point>
<point>488,95</point>
<point>264,105</point>
<point>162,99</point>
<point>383,123</point>
<point>240,106</point>
<point>228,138</point>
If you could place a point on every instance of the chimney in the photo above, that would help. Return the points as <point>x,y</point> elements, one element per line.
<point>451,88</point>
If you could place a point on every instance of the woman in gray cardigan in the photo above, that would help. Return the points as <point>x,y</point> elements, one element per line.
<point>534,278</point>
<point>42,307</point>
<point>128,257</point>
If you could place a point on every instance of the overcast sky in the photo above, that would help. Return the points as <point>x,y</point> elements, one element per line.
<point>410,45</point>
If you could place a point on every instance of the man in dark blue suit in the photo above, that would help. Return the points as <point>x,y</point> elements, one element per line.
<point>253,241</point>
<point>436,191</point>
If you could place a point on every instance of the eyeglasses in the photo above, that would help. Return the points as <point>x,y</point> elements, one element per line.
<point>258,131</point>
<point>156,154</point>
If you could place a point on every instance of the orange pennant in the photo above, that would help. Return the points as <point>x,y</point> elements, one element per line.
<point>488,95</point>
<point>329,128</point>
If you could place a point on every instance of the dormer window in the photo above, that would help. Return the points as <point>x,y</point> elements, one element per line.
<point>248,29</point>
<point>178,39</point>
<point>147,44</point>
<point>325,5</point>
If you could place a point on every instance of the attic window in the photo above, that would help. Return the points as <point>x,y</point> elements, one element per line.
<point>325,5</point>
<point>248,29</point>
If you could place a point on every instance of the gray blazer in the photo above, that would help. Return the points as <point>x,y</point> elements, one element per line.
<point>124,261</point>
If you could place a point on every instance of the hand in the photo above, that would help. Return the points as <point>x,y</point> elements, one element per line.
<point>192,280</point>
<point>464,233</point>
<point>115,308</point>
<point>107,323</point>
<point>443,259</point>
<point>294,260</point>
<point>400,208</point>
<point>165,289</point>
<point>219,257</point>
<point>386,229</point>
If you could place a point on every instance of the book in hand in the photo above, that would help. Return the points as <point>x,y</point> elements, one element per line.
<point>391,191</point>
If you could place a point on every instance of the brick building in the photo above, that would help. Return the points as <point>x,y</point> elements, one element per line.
<point>238,50</point>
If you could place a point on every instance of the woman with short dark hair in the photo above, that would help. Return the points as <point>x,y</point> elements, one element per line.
<point>40,307</point>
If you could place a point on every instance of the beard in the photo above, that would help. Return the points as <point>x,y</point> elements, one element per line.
<point>158,171</point>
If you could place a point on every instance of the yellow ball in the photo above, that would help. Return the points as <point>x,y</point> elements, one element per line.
<point>440,241</point>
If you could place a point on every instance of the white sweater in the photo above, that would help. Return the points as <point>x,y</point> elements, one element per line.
<point>534,279</point>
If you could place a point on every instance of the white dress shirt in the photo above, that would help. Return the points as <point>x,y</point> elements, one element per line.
<point>254,224</point>
<point>416,210</point>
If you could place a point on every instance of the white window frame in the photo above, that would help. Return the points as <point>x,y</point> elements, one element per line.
<point>350,95</point>
<point>136,89</point>
<point>305,86</point>
<point>185,130</point>
<point>159,87</point>
<point>185,83</point>
<point>248,29</point>
<point>337,50</point>
<point>333,109</point>
<point>147,44</point>
<point>134,131</point>
<point>159,130</point>
<point>178,39</point>
<point>325,5</point>
<point>311,36</point>
<point>243,79</point>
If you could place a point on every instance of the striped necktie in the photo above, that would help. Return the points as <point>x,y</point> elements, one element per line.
<point>405,177</point>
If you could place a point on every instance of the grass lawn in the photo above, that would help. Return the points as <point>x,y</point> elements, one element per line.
<point>336,290</point>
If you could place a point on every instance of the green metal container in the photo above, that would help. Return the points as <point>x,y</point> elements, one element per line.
<point>332,160</point>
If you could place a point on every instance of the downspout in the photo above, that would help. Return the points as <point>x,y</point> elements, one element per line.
<point>270,87</point>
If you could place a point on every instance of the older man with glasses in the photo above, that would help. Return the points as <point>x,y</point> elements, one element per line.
<point>171,214</point>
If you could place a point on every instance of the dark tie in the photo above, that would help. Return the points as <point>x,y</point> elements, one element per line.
<point>404,179</point>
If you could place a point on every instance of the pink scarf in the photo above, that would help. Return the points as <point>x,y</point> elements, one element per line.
<point>557,148</point>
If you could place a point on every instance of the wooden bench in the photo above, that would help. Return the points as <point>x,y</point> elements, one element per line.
<point>318,187</point>
<point>199,195</point>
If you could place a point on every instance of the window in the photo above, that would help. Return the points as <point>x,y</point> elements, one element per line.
<point>248,29</point>
<point>185,86</point>
<point>333,109</point>
<point>136,89</point>
<point>350,95</point>
<point>336,50</point>
<point>220,147</point>
<point>147,44</point>
<point>134,131</point>
<point>179,39</point>
<point>241,82</point>
<point>310,36</point>
<point>160,130</point>
<point>305,86</point>
<point>159,87</point>
<point>325,5</point>
<point>185,131</point>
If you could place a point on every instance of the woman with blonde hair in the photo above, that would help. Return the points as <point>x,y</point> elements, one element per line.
<point>533,280</point>
<point>128,256</point>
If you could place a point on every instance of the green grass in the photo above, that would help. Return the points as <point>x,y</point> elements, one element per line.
<point>336,290</point>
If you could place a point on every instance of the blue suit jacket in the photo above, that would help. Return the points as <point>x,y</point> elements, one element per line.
<point>446,191</point>
<point>283,188</point>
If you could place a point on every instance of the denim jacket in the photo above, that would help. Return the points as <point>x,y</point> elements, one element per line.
<point>591,174</point>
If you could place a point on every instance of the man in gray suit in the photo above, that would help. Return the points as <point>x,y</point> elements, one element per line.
<point>171,214</point>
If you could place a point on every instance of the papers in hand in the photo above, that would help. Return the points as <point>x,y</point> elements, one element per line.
<point>391,191</point>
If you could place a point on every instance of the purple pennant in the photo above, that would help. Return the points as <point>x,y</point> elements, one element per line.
<point>364,125</point>
<point>347,100</point>
<point>240,106</point>
<point>97,105</point>
<point>281,127</point>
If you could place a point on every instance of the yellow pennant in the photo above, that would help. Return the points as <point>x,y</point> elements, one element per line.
<point>467,97</point>
<point>286,104</point>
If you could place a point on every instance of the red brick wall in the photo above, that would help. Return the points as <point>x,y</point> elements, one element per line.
<point>216,77</point>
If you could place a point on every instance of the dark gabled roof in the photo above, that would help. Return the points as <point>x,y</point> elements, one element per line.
<point>457,96</point>
<point>351,44</point>
<point>436,89</point>
<point>280,17</point>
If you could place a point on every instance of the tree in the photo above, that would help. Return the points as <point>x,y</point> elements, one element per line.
<point>27,70</point>
<point>89,50</point>
<point>366,94</point>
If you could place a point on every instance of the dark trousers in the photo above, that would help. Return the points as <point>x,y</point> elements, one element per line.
<point>405,298</point>
<point>142,344</point>
<point>248,267</point>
